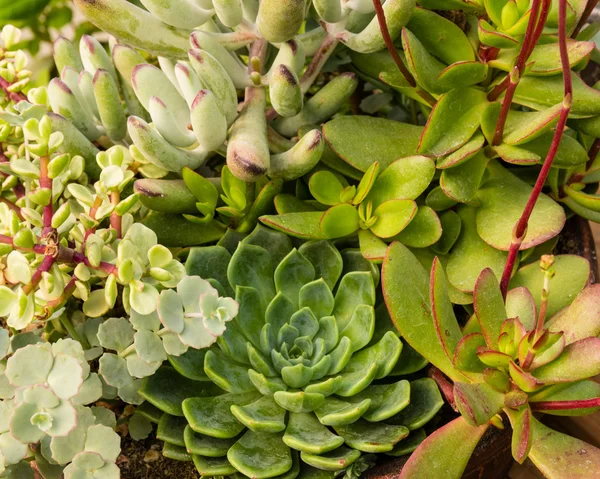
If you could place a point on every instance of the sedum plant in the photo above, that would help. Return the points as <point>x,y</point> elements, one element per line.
<point>300,376</point>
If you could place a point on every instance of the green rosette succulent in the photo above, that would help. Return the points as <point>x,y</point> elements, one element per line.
<point>300,376</point>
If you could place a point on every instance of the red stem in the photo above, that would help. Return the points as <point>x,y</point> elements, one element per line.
<point>12,95</point>
<point>44,267</point>
<point>115,219</point>
<point>445,386</point>
<point>12,206</point>
<point>46,182</point>
<point>390,46</point>
<point>589,8</point>
<point>532,36</point>
<point>561,405</point>
<point>521,226</point>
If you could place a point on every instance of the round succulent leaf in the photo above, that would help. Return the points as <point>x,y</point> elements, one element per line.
<point>203,445</point>
<point>12,449</point>
<point>90,391</point>
<point>145,322</point>
<point>292,274</point>
<point>386,400</point>
<point>451,227</point>
<point>66,376</point>
<point>212,415</point>
<point>502,201</point>
<point>403,179</point>
<point>29,365</point>
<point>306,434</point>
<point>64,419</point>
<point>103,441</point>
<point>139,427</point>
<point>326,187</point>
<point>115,334</point>
<point>189,290</point>
<point>424,230</point>
<point>471,254</point>
<point>88,461</point>
<point>462,182</point>
<point>392,216</point>
<point>143,297</point>
<point>335,460</point>
<point>21,426</point>
<point>425,402</point>
<point>173,345</point>
<point>213,466</point>
<point>138,368</point>
<point>41,396</point>
<point>363,436</point>
<point>8,299</point>
<point>339,221</point>
<point>260,455</point>
<point>227,374</point>
<point>113,370</point>
<point>17,268</point>
<point>263,415</point>
<point>149,346</point>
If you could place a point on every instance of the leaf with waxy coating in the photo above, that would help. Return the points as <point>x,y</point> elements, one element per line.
<point>477,402</point>
<point>579,360</point>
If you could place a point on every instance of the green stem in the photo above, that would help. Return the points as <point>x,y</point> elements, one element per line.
<point>68,325</point>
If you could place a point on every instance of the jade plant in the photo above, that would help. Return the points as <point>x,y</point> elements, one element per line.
<point>300,376</point>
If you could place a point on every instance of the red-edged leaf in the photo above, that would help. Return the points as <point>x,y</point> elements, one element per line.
<point>465,355</point>
<point>445,453</point>
<point>477,402</point>
<point>520,304</point>
<point>444,320</point>
<point>489,306</point>
<point>523,379</point>
<point>520,421</point>
<point>582,318</point>
<point>494,359</point>
<point>579,360</point>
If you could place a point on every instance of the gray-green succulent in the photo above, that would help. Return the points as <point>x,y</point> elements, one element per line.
<point>302,374</point>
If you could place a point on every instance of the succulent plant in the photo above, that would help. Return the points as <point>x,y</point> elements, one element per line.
<point>300,373</point>
<point>44,389</point>
<point>507,359</point>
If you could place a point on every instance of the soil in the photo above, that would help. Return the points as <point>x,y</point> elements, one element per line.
<point>144,460</point>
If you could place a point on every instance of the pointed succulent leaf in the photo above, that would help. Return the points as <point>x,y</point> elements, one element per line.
<point>425,402</point>
<point>477,403</point>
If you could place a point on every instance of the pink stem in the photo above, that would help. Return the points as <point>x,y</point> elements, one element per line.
<point>399,63</point>
<point>44,267</point>
<point>445,386</point>
<point>561,405</point>
<point>115,219</point>
<point>14,96</point>
<point>521,226</point>
<point>46,182</point>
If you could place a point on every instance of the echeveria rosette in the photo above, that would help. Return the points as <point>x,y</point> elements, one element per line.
<point>301,374</point>
<point>506,359</point>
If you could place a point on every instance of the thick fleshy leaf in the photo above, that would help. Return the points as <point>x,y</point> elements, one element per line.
<point>571,273</point>
<point>260,455</point>
<point>339,221</point>
<point>409,444</point>
<point>453,121</point>
<point>446,452</point>
<point>440,36</point>
<point>212,416</point>
<point>465,354</point>
<point>540,93</point>
<point>213,466</point>
<point>424,230</point>
<point>335,460</point>
<point>520,304</point>
<point>305,433</point>
<point>306,225</point>
<point>203,445</point>
<point>444,319</point>
<point>579,360</point>
<point>363,436</point>
<point>464,153</point>
<point>462,182</point>
<point>299,401</point>
<point>502,201</point>
<point>558,455</point>
<point>520,421</point>
<point>545,58</point>
<point>451,227</point>
<point>335,412</point>
<point>392,217</point>
<point>362,140</point>
<point>425,402</point>
<point>406,293</point>
<point>386,400</point>
<point>581,319</point>
<point>226,373</point>
<point>263,415</point>
<point>477,402</point>
<point>471,254</point>
<point>166,390</point>
<point>252,266</point>
<point>489,306</point>
<point>292,274</point>
<point>580,390</point>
